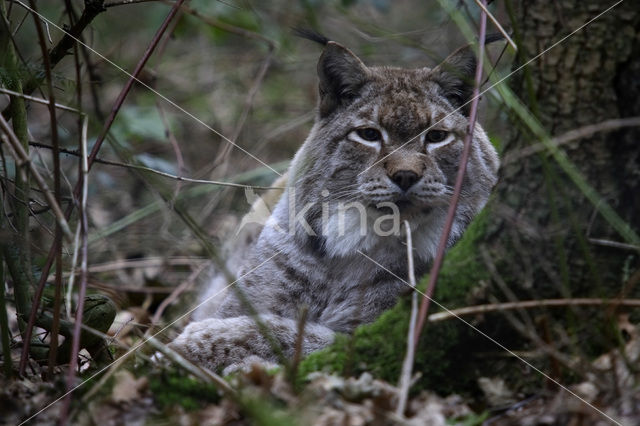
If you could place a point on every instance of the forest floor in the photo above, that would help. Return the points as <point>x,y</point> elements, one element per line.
<point>144,391</point>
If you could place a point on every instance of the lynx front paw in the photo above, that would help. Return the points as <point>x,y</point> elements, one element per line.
<point>248,363</point>
<point>216,343</point>
<point>238,342</point>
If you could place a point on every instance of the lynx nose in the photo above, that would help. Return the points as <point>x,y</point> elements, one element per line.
<point>405,178</point>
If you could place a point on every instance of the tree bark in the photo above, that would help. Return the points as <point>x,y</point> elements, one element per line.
<point>540,233</point>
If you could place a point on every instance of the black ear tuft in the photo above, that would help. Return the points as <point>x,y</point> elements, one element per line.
<point>341,75</point>
<point>310,34</point>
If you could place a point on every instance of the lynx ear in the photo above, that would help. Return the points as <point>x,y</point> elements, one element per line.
<point>455,76</point>
<point>341,74</point>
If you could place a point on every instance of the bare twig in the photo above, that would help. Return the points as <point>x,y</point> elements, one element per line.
<point>134,77</point>
<point>82,143</point>
<point>37,100</point>
<point>93,76</point>
<point>53,345</point>
<point>22,158</point>
<point>496,23</point>
<point>529,304</point>
<point>572,135</point>
<point>174,295</point>
<point>248,104</point>
<point>75,344</point>
<point>221,160</point>
<point>146,262</point>
<point>506,290</point>
<point>228,27</point>
<point>125,2</point>
<point>271,45</point>
<point>526,325</point>
<point>92,9</point>
<point>174,144</point>
<point>407,364</point>
<point>298,349</point>
<point>453,204</point>
<point>72,274</point>
<point>627,287</point>
<point>157,172</point>
<point>5,336</point>
<point>616,244</point>
<point>202,373</point>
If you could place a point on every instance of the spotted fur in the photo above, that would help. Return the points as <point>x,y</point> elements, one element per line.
<point>320,265</point>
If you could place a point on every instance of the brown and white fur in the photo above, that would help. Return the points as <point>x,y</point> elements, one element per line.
<point>321,264</point>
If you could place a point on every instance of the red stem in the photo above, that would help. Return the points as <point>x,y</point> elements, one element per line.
<point>453,205</point>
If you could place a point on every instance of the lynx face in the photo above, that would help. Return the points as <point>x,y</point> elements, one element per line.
<point>390,139</point>
<point>385,150</point>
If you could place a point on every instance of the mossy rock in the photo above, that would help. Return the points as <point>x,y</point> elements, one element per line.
<point>445,351</point>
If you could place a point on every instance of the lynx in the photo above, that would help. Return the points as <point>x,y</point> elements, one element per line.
<point>384,148</point>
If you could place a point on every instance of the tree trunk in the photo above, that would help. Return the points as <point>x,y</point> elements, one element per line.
<point>542,231</point>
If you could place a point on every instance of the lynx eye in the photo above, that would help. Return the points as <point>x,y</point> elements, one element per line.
<point>369,134</point>
<point>433,136</point>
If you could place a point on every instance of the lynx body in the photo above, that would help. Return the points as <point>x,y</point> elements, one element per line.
<point>385,148</point>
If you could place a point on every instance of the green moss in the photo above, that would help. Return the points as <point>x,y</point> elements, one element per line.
<point>443,356</point>
<point>470,420</point>
<point>263,412</point>
<point>171,388</point>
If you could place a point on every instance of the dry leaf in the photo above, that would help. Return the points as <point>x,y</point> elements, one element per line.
<point>127,387</point>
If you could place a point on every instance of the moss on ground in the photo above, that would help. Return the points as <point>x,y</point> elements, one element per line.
<point>444,355</point>
<point>171,387</point>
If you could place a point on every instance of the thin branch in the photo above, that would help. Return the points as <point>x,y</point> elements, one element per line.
<point>146,263</point>
<point>496,23</point>
<point>72,274</point>
<point>93,76</point>
<point>53,345</point>
<point>16,249</point>
<point>174,144</point>
<point>228,27</point>
<point>202,373</point>
<point>530,304</point>
<point>77,332</point>
<point>572,135</point>
<point>82,125</point>
<point>298,346</point>
<point>248,104</point>
<point>615,244</point>
<point>38,100</point>
<point>149,169</point>
<point>453,204</point>
<point>174,295</point>
<point>407,364</point>
<point>125,2</point>
<point>22,158</point>
<point>92,9</point>
<point>5,336</point>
